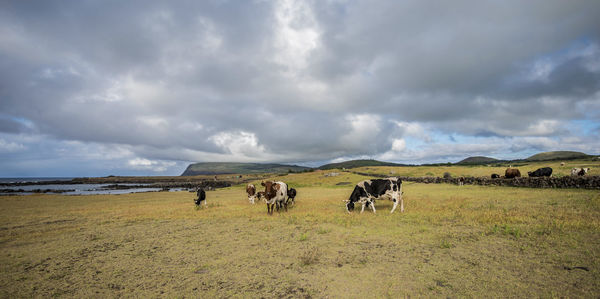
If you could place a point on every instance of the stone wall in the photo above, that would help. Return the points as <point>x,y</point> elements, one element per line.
<point>585,182</point>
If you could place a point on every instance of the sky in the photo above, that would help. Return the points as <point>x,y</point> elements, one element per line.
<point>96,88</point>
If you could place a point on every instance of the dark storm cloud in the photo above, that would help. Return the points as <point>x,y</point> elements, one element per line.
<point>152,81</point>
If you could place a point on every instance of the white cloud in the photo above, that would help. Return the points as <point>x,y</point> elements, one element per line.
<point>295,80</point>
<point>153,165</point>
<point>241,146</point>
<point>364,129</point>
<point>10,147</point>
<point>296,35</point>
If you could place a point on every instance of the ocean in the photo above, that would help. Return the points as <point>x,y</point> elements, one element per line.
<point>74,189</point>
<point>33,179</point>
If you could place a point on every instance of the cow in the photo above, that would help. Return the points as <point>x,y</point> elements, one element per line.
<point>461,181</point>
<point>251,191</point>
<point>261,195</point>
<point>291,196</point>
<point>495,176</point>
<point>545,171</point>
<point>201,197</point>
<point>366,192</point>
<point>275,195</point>
<point>512,173</point>
<point>580,171</point>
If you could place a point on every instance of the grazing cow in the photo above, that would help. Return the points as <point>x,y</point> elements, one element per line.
<point>275,194</point>
<point>580,171</point>
<point>512,173</point>
<point>367,191</point>
<point>261,195</point>
<point>495,176</point>
<point>201,197</point>
<point>251,191</point>
<point>545,171</point>
<point>291,196</point>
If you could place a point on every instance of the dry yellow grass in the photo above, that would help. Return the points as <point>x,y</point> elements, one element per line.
<point>469,241</point>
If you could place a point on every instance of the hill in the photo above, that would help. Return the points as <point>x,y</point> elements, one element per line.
<point>357,163</point>
<point>211,168</point>
<point>558,155</point>
<point>478,160</point>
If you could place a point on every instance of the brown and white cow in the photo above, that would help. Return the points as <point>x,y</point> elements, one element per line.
<point>580,171</point>
<point>251,191</point>
<point>275,195</point>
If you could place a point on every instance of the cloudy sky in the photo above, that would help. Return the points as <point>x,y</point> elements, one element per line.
<point>94,88</point>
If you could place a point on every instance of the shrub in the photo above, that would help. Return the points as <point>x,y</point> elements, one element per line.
<point>310,256</point>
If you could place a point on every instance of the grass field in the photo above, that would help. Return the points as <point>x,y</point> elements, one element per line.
<point>469,241</point>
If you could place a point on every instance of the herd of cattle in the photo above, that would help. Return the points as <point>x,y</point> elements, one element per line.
<point>278,196</point>
<point>541,172</point>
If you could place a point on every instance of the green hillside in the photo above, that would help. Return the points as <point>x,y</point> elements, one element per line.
<point>357,163</point>
<point>564,155</point>
<point>478,160</point>
<point>239,168</point>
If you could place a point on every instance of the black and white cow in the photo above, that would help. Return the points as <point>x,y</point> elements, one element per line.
<point>579,171</point>
<point>544,171</point>
<point>261,195</point>
<point>366,192</point>
<point>291,196</point>
<point>201,197</point>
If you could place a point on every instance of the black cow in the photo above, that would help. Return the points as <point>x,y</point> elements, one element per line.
<point>201,197</point>
<point>495,176</point>
<point>545,171</point>
<point>366,192</point>
<point>291,196</point>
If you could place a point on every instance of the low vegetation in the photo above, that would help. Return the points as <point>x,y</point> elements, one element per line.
<point>468,241</point>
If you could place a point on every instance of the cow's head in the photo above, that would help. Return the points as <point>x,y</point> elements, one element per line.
<point>270,189</point>
<point>350,206</point>
<point>354,197</point>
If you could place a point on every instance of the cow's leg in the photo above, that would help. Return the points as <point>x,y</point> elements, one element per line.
<point>401,204</point>
<point>373,207</point>
<point>395,198</point>
<point>395,205</point>
<point>363,207</point>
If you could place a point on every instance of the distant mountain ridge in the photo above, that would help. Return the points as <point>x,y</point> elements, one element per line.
<point>545,156</point>
<point>357,163</point>
<point>557,155</point>
<point>477,160</point>
<point>211,168</point>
